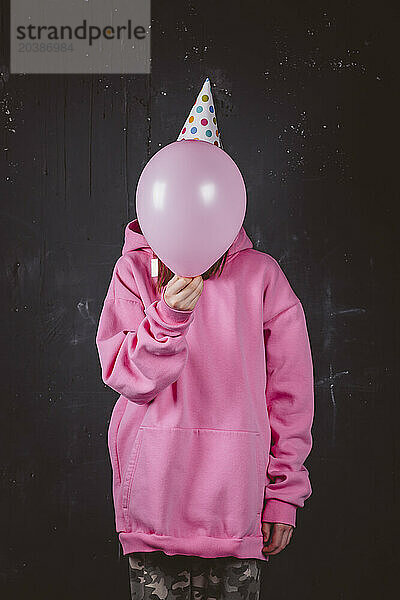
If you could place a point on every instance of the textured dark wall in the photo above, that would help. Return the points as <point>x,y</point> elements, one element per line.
<point>305,96</point>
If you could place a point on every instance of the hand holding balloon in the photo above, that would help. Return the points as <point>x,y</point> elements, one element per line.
<point>182,293</point>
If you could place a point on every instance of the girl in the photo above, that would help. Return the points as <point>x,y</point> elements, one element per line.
<point>210,432</point>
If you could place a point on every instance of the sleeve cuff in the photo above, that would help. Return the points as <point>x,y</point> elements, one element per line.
<point>278,511</point>
<point>172,315</point>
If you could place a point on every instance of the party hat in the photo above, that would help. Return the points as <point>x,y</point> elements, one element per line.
<point>201,123</point>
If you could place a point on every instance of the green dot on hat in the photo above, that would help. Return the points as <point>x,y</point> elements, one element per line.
<point>208,133</point>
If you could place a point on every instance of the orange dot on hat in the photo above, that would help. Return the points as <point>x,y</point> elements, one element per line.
<point>191,119</point>
<point>204,98</point>
<point>216,133</point>
<point>215,143</point>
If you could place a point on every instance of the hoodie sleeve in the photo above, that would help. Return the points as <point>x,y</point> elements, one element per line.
<point>142,350</point>
<point>290,400</point>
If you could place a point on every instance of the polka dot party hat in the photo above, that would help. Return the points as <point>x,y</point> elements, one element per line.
<point>201,123</point>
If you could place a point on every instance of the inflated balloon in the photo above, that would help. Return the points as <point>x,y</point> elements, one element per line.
<point>190,204</point>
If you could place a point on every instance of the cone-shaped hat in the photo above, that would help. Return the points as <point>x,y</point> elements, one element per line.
<point>201,123</point>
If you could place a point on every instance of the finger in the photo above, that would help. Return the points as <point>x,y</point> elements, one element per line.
<point>188,290</point>
<point>266,531</point>
<point>187,280</point>
<point>194,278</point>
<point>276,550</point>
<point>273,541</point>
<point>191,299</point>
<point>185,288</point>
<point>179,284</point>
<point>173,280</point>
<point>285,538</point>
<point>276,539</point>
<point>188,293</point>
<point>284,541</point>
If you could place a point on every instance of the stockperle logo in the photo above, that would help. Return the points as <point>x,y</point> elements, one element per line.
<point>80,36</point>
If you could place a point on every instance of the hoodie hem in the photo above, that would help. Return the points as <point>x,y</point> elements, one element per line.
<point>203,546</point>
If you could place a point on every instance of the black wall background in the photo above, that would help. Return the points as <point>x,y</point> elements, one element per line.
<point>306,97</point>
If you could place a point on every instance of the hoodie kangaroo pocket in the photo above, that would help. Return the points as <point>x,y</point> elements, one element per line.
<point>205,482</point>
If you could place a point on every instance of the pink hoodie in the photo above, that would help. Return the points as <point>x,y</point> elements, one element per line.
<point>213,423</point>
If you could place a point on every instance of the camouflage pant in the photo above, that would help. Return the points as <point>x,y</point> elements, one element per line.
<point>158,576</point>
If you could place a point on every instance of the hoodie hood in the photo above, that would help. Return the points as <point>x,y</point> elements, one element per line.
<point>135,240</point>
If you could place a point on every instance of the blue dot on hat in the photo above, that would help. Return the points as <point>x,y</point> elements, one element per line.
<point>194,130</point>
<point>199,108</point>
<point>211,108</point>
<point>208,133</point>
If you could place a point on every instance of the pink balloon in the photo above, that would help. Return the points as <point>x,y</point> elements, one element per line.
<point>190,204</point>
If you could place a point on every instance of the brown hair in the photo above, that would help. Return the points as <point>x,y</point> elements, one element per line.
<point>165,274</point>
